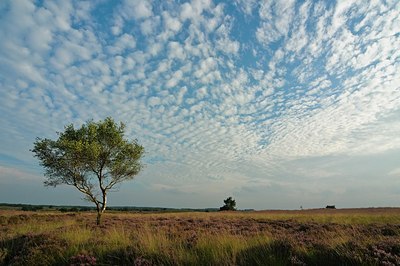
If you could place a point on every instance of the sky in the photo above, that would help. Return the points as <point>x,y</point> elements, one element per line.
<point>279,104</point>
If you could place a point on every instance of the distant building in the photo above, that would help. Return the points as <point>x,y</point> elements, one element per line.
<point>330,207</point>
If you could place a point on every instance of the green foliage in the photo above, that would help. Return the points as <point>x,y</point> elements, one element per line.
<point>94,158</point>
<point>230,205</point>
<point>31,208</point>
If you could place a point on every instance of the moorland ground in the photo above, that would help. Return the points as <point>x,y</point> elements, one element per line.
<point>308,237</point>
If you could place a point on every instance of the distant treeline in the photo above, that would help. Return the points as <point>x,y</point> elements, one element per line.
<point>30,207</point>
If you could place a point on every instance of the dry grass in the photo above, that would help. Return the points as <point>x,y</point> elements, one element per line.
<point>309,237</point>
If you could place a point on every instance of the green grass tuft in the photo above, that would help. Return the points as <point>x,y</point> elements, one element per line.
<point>252,238</point>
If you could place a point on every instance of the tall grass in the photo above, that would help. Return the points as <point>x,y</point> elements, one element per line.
<point>292,238</point>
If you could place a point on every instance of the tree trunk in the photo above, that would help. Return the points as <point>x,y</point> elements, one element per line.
<point>101,210</point>
<point>98,220</point>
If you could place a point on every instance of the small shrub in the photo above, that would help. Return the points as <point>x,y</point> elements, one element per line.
<point>82,260</point>
<point>3,220</point>
<point>295,260</point>
<point>386,253</point>
<point>31,249</point>
<point>140,261</point>
<point>388,231</point>
<point>191,240</point>
<point>18,219</point>
<point>229,205</point>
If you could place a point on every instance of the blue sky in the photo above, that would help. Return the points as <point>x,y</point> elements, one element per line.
<point>279,104</point>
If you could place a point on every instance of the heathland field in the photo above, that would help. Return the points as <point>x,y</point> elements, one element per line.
<point>308,237</point>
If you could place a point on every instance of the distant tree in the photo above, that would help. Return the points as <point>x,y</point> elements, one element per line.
<point>229,205</point>
<point>94,159</point>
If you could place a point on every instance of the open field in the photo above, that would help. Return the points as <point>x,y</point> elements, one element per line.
<point>308,237</point>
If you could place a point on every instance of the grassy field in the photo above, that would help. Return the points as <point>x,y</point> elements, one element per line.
<point>308,237</point>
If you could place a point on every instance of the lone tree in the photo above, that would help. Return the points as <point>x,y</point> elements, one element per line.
<point>94,159</point>
<point>230,205</point>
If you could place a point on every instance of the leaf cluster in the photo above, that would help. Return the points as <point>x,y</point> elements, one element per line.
<point>95,156</point>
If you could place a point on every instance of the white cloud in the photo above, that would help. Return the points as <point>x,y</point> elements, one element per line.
<point>224,43</point>
<point>149,26</point>
<point>138,9</point>
<point>11,174</point>
<point>247,6</point>
<point>194,9</point>
<point>205,67</point>
<point>176,51</point>
<point>395,172</point>
<point>299,37</point>
<point>123,43</point>
<point>277,17</point>
<point>171,23</point>
<point>201,93</point>
<point>131,10</point>
<point>187,12</point>
<point>174,80</point>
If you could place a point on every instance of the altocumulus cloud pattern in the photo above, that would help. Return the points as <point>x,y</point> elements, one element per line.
<point>279,103</point>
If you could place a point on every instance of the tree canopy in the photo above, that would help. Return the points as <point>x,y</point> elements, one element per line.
<point>229,205</point>
<point>93,158</point>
